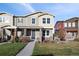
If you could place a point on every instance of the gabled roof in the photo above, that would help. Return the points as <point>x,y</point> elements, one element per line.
<point>46,14</point>
<point>2,13</point>
<point>73,19</point>
<point>42,13</point>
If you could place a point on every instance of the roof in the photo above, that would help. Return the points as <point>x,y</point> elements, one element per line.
<point>73,19</point>
<point>45,14</point>
<point>2,13</point>
<point>6,13</point>
<point>42,13</point>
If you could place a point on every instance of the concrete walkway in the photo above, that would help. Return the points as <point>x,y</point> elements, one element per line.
<point>27,51</point>
<point>4,43</point>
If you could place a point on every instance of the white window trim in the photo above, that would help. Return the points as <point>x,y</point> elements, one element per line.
<point>32,20</point>
<point>45,21</point>
<point>73,24</point>
<point>65,24</point>
<point>49,21</point>
<point>69,24</point>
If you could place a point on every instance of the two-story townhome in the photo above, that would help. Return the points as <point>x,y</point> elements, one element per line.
<point>71,26</point>
<point>38,25</point>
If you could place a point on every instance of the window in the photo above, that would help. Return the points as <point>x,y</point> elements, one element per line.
<point>48,20</point>
<point>3,19</point>
<point>20,20</point>
<point>69,24</point>
<point>0,19</point>
<point>43,33</point>
<point>47,32</point>
<point>73,24</point>
<point>44,20</point>
<point>33,20</point>
<point>65,24</point>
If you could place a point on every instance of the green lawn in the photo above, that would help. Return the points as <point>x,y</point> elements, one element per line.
<point>61,49</point>
<point>10,49</point>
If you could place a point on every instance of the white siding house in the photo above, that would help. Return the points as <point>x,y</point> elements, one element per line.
<point>37,25</point>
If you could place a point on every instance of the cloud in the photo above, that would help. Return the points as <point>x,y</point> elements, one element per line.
<point>66,8</point>
<point>28,7</point>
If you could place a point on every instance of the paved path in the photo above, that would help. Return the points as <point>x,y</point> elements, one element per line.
<point>4,43</point>
<point>27,51</point>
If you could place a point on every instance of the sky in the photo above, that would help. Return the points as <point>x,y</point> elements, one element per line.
<point>61,11</point>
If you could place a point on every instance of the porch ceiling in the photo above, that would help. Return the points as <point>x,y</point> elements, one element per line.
<point>38,27</point>
<point>12,27</point>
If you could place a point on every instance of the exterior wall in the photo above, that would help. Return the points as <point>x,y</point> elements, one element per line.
<point>8,20</point>
<point>38,35</point>
<point>46,25</point>
<point>27,20</point>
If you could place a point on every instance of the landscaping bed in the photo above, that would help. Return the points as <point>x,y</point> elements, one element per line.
<point>70,48</point>
<point>11,49</point>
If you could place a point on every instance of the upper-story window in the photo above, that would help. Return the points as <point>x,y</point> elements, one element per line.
<point>3,19</point>
<point>20,20</point>
<point>69,24</point>
<point>73,24</point>
<point>48,20</point>
<point>0,19</point>
<point>44,20</point>
<point>33,20</point>
<point>65,24</point>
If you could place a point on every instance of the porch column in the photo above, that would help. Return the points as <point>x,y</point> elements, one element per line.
<point>40,35</point>
<point>25,32</point>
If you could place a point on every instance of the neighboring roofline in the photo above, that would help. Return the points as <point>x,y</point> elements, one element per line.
<point>6,13</point>
<point>73,18</point>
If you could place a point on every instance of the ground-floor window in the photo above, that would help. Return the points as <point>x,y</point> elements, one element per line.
<point>45,32</point>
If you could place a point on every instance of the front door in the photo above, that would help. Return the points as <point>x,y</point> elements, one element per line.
<point>33,34</point>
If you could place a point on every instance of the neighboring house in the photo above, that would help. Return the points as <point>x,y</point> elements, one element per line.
<point>37,25</point>
<point>71,26</point>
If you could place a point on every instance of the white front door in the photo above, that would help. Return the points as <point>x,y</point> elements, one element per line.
<point>33,34</point>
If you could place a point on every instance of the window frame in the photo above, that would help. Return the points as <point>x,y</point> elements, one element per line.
<point>65,24</point>
<point>33,20</point>
<point>44,21</point>
<point>19,20</point>
<point>47,32</point>
<point>73,24</point>
<point>1,19</point>
<point>69,24</point>
<point>48,20</point>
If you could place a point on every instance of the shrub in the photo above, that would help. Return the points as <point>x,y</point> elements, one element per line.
<point>76,39</point>
<point>25,39</point>
<point>17,39</point>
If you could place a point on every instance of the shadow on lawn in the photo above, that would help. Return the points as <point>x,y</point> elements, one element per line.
<point>45,55</point>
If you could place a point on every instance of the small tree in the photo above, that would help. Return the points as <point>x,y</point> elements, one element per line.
<point>61,34</point>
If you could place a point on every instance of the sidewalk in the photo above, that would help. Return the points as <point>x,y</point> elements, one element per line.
<point>4,43</point>
<point>27,51</point>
